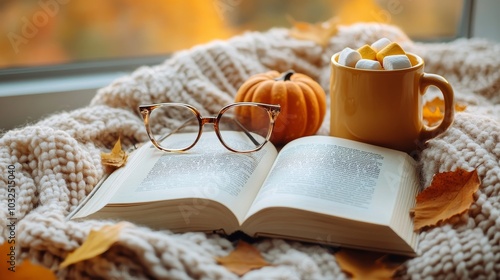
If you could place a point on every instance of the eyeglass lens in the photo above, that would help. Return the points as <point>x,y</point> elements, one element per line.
<point>242,127</point>
<point>170,119</point>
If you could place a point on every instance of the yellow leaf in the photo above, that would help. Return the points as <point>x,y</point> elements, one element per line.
<point>361,264</point>
<point>97,242</point>
<point>459,107</point>
<point>318,32</point>
<point>450,194</point>
<point>433,110</point>
<point>434,103</point>
<point>243,259</point>
<point>432,118</point>
<point>12,268</point>
<point>116,158</point>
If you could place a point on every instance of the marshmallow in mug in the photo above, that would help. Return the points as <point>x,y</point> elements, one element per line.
<point>349,57</point>
<point>393,62</point>
<point>383,54</point>
<point>368,52</point>
<point>380,44</point>
<point>368,64</point>
<point>391,49</point>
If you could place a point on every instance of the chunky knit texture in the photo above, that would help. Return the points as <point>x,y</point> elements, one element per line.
<point>57,162</point>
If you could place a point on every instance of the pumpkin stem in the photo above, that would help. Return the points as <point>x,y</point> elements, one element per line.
<point>285,76</point>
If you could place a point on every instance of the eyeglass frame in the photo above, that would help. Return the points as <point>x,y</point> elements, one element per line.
<point>146,110</point>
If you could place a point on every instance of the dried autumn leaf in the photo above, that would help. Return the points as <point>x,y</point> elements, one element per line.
<point>432,117</point>
<point>97,242</point>
<point>13,268</point>
<point>433,110</point>
<point>243,259</point>
<point>318,32</point>
<point>459,107</point>
<point>450,194</point>
<point>434,103</point>
<point>116,158</point>
<point>367,265</point>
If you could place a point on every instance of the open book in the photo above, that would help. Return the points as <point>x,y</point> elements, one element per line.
<point>318,189</point>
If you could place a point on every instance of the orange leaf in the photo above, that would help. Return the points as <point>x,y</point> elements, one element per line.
<point>367,265</point>
<point>97,242</point>
<point>318,32</point>
<point>450,194</point>
<point>434,103</point>
<point>460,107</point>
<point>432,118</point>
<point>243,259</point>
<point>12,268</point>
<point>433,110</point>
<point>116,158</point>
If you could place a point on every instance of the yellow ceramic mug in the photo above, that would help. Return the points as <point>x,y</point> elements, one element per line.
<point>384,107</point>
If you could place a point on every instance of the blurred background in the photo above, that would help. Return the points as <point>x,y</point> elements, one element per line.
<point>47,32</point>
<point>55,54</point>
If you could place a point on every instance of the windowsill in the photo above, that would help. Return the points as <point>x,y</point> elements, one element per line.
<point>26,97</point>
<point>71,83</point>
<point>26,101</point>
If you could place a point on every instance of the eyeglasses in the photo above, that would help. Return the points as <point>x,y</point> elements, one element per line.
<point>241,127</point>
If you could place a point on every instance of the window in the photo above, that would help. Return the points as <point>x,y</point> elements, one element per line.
<point>54,54</point>
<point>50,32</point>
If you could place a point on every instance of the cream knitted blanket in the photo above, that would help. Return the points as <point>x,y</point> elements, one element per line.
<point>57,162</point>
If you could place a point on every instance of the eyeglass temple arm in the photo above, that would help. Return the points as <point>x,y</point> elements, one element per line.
<point>246,132</point>
<point>177,129</point>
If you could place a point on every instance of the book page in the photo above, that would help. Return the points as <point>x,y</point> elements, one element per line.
<point>103,192</point>
<point>206,172</point>
<point>334,176</point>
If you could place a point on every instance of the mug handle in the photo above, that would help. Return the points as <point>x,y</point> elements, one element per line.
<point>427,80</point>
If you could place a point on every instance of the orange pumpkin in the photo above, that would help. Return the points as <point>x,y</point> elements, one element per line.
<point>302,100</point>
